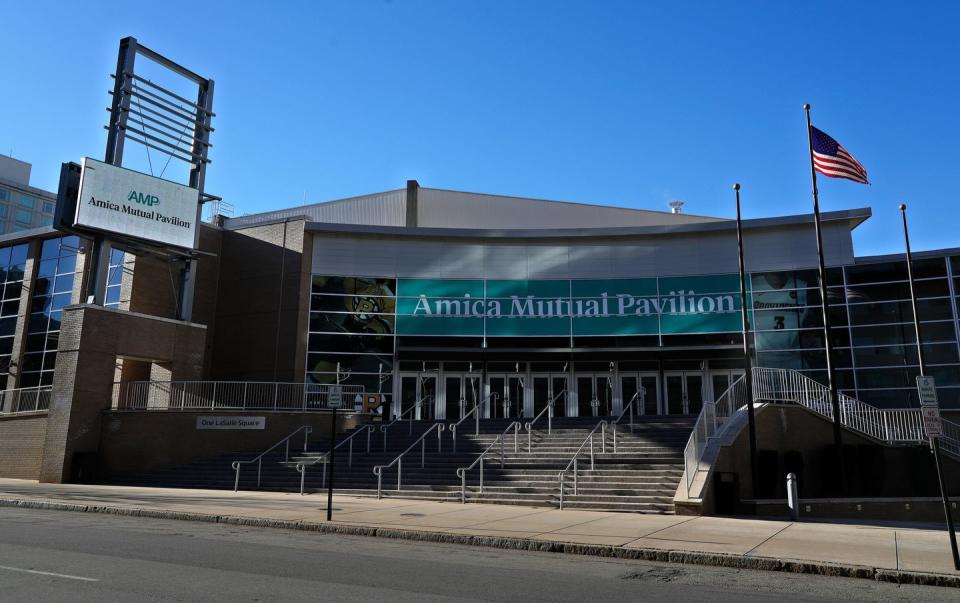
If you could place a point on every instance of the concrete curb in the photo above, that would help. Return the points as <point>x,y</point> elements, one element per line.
<point>521,544</point>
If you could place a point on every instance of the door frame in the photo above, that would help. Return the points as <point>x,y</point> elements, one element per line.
<point>685,396</point>
<point>418,392</point>
<point>528,402</point>
<point>639,376</point>
<point>731,374</point>
<point>488,410</point>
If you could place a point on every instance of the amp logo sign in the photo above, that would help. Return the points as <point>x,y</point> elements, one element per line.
<point>143,198</point>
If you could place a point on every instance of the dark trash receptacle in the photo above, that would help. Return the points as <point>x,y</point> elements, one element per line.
<point>83,468</point>
<point>726,489</point>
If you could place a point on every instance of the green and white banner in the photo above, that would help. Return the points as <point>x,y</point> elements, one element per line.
<point>497,308</point>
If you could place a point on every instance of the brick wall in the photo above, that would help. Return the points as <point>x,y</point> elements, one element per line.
<point>91,340</point>
<point>262,304</point>
<point>21,445</point>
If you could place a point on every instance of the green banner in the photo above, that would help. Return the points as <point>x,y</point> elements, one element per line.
<point>521,308</point>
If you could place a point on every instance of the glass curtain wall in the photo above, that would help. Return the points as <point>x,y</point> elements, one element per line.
<point>351,337</point>
<point>13,260</point>
<point>52,291</point>
<point>872,328</point>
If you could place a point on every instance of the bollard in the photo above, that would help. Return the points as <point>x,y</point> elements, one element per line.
<point>792,500</point>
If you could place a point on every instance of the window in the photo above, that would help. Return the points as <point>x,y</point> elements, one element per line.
<point>351,331</point>
<point>4,194</point>
<point>26,201</point>
<point>48,208</point>
<point>53,290</point>
<point>23,217</point>
<point>12,262</point>
<point>115,271</point>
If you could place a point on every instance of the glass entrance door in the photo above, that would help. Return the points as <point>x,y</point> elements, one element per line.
<point>649,398</point>
<point>546,387</point>
<point>684,392</point>
<point>721,380</point>
<point>594,395</point>
<point>417,388</point>
<point>509,390</point>
<point>461,393</point>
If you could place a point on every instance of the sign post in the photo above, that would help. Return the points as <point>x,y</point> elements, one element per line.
<point>334,400</point>
<point>933,429</point>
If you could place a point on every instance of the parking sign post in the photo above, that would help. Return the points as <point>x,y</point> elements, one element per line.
<point>933,429</point>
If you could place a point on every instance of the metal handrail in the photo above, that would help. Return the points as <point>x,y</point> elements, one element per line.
<point>25,400</point>
<point>307,429</point>
<point>602,425</point>
<point>230,395</point>
<point>378,470</point>
<point>475,411</point>
<point>640,396</point>
<point>462,471</point>
<point>897,426</point>
<point>324,458</point>
<point>547,409</point>
<point>414,406</point>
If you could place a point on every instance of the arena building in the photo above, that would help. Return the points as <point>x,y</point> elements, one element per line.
<point>436,302</point>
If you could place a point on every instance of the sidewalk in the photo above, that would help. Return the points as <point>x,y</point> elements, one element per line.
<point>897,553</point>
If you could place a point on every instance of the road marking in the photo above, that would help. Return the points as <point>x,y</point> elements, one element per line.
<point>55,575</point>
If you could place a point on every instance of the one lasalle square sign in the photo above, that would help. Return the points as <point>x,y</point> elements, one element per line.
<point>512,308</point>
<point>123,201</point>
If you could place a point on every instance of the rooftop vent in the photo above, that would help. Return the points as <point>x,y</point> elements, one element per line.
<point>676,207</point>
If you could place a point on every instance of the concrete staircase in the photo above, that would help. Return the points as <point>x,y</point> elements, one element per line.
<point>641,477</point>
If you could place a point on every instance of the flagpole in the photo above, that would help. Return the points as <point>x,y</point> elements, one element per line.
<point>825,306</point>
<point>747,363</point>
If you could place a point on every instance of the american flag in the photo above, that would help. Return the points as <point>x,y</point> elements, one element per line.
<point>831,159</point>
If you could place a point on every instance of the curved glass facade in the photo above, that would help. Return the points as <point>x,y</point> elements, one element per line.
<point>357,325</point>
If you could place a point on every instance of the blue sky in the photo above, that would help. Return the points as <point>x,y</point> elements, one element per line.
<point>622,103</point>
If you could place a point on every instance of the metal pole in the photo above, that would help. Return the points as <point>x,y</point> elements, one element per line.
<point>333,451</point>
<point>825,305</point>
<point>747,359</point>
<point>946,504</point>
<point>934,442</point>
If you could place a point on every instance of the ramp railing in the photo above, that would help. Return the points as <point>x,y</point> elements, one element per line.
<point>501,440</point>
<point>893,427</point>
<point>324,458</point>
<point>422,441</point>
<point>635,401</point>
<point>574,461</point>
<point>475,412</point>
<point>306,429</point>
<point>410,420</point>
<point>548,411</point>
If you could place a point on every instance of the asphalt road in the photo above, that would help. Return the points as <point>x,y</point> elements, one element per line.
<point>61,556</point>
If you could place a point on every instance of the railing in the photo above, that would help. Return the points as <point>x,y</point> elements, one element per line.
<point>25,400</point>
<point>602,426</point>
<point>548,409</point>
<point>901,426</point>
<point>232,395</point>
<point>500,439</point>
<point>306,429</point>
<point>638,399</point>
<point>950,442</point>
<point>475,411</point>
<point>422,440</point>
<point>893,426</point>
<point>416,405</point>
<point>325,457</point>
